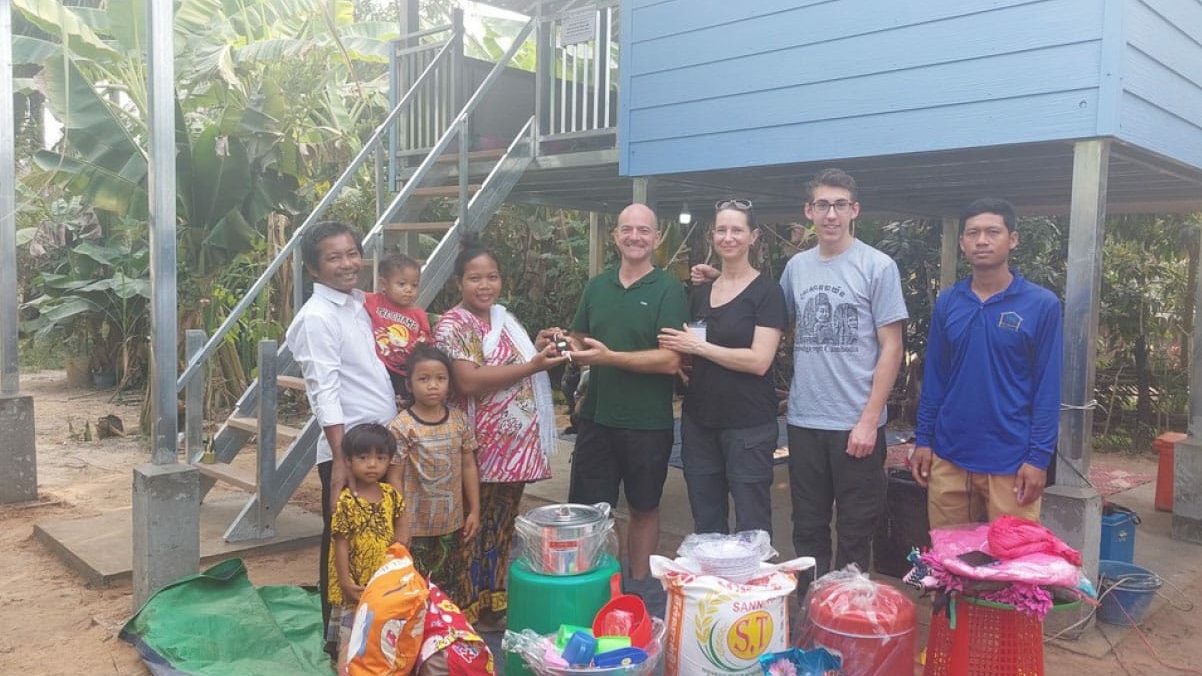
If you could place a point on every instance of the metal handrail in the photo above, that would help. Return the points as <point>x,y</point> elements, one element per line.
<point>252,294</point>
<point>428,31</point>
<point>445,140</point>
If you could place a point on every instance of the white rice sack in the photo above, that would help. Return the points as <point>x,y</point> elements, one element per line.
<point>716,626</point>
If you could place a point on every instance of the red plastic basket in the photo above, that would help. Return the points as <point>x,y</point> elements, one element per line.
<point>990,639</point>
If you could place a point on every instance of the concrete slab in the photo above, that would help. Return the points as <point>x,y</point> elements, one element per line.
<point>100,548</point>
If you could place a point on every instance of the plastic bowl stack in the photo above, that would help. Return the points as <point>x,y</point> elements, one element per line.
<point>729,559</point>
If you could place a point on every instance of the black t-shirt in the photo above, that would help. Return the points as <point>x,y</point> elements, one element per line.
<point>719,397</point>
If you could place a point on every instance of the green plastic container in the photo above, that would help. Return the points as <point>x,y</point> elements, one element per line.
<point>543,602</point>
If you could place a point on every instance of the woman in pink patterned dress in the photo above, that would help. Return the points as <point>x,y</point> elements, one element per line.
<point>500,376</point>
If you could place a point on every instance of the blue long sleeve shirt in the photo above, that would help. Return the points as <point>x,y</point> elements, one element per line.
<point>991,384</point>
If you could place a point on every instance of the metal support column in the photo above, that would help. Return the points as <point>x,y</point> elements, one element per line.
<point>1087,221</point>
<point>544,78</point>
<point>1072,509</point>
<point>166,494</point>
<point>1187,453</point>
<point>9,375</point>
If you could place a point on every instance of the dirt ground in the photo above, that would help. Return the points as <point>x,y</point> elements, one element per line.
<point>55,624</point>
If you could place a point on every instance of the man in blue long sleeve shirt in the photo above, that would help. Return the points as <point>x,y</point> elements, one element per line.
<point>989,413</point>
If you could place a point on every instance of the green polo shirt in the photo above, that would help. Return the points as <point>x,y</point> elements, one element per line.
<point>628,320</point>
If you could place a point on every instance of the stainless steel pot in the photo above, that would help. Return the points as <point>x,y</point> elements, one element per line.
<point>564,539</point>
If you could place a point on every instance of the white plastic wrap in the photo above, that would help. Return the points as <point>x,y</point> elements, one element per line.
<point>736,557</point>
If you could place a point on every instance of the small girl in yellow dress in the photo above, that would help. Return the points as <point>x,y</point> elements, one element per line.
<point>364,524</point>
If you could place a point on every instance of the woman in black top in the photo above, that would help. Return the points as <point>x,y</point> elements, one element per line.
<point>728,426</point>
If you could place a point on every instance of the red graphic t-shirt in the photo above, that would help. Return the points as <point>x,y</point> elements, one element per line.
<point>397,331</point>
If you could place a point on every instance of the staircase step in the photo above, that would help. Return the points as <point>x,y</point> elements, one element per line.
<point>443,190</point>
<point>291,382</point>
<point>282,432</point>
<point>227,473</point>
<point>432,226</point>
<point>473,156</point>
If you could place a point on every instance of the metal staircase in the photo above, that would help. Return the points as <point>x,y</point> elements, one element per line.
<point>441,172</point>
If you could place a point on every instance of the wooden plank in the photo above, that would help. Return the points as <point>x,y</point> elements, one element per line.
<point>432,226</point>
<point>291,382</point>
<point>443,190</point>
<point>247,424</point>
<point>226,473</point>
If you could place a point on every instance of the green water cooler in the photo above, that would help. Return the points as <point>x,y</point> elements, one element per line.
<point>543,602</point>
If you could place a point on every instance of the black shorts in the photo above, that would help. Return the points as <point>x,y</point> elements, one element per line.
<point>608,457</point>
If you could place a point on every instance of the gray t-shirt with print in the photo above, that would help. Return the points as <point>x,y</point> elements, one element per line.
<point>837,305</point>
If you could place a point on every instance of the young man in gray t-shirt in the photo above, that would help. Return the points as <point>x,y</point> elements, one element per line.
<point>846,301</point>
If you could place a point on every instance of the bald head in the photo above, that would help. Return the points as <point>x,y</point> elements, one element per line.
<point>638,213</point>
<point>637,235</point>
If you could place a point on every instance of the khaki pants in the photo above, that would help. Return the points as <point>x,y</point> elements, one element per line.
<point>955,496</point>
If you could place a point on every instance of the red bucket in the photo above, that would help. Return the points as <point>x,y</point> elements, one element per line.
<point>873,633</point>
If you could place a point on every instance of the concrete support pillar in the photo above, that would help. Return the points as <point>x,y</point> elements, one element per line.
<point>18,455</point>
<point>1187,487</point>
<point>1187,453</point>
<point>166,527</point>
<point>1074,513</point>
<point>949,252</point>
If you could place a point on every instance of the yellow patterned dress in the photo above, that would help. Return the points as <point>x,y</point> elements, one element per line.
<point>369,527</point>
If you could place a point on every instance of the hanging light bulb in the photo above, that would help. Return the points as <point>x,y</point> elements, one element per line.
<point>686,216</point>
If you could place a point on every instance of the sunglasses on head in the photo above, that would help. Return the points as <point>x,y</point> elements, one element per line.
<point>741,205</point>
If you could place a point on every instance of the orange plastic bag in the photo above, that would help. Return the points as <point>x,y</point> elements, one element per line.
<point>387,635</point>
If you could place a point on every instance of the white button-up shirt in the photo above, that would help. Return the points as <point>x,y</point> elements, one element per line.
<point>332,342</point>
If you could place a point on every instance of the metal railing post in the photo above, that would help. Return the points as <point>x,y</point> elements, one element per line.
<point>194,414</point>
<point>268,405</point>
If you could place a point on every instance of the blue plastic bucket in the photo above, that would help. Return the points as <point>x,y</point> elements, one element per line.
<point>1126,591</point>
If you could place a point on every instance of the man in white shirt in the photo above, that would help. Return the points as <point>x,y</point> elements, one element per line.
<point>347,384</point>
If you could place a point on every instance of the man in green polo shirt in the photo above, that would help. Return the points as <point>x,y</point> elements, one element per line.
<point>625,432</point>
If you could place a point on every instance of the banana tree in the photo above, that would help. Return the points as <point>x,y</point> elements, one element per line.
<point>272,97</point>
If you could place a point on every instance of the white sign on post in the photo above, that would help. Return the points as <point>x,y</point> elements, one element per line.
<point>578,26</point>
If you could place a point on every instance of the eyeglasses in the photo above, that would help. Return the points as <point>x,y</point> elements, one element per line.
<point>823,207</point>
<point>741,205</point>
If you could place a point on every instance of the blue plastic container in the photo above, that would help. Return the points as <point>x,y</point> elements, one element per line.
<point>1126,591</point>
<point>1118,535</point>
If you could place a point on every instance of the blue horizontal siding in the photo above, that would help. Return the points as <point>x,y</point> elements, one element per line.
<point>668,31</point>
<point>1148,126</point>
<point>710,83</point>
<point>985,123</point>
<point>904,48</point>
<point>1161,98</point>
<point>1025,74</point>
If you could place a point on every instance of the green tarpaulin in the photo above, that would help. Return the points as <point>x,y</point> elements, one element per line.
<point>217,623</point>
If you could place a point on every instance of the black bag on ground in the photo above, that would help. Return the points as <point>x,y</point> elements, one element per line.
<point>903,526</point>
